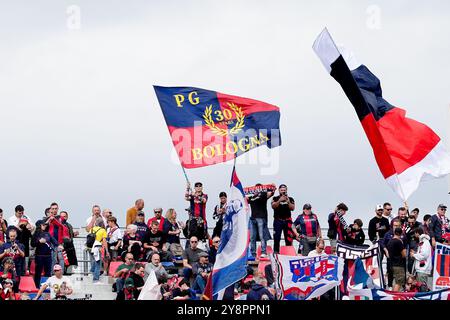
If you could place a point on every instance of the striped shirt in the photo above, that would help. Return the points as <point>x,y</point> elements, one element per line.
<point>307,225</point>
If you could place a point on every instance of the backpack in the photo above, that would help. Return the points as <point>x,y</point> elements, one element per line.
<point>90,239</point>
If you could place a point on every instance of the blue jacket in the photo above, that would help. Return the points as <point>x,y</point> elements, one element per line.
<point>257,291</point>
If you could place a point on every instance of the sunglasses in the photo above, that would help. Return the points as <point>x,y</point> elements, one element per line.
<point>389,209</point>
<point>194,241</point>
<point>216,241</point>
<point>158,211</point>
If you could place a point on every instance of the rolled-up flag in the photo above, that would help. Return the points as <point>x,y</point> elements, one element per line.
<point>406,150</point>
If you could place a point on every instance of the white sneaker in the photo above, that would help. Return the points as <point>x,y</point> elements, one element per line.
<point>263,256</point>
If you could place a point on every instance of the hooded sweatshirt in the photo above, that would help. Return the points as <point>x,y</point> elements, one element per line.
<point>423,256</point>
<point>258,291</point>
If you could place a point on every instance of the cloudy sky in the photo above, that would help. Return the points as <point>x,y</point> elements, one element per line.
<point>80,123</point>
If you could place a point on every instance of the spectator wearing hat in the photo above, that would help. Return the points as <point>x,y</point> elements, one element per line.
<point>15,250</point>
<point>44,244</point>
<point>132,212</point>
<point>142,227</point>
<point>157,217</point>
<point>282,206</point>
<point>258,220</point>
<point>7,292</point>
<point>201,271</point>
<point>307,230</point>
<point>9,272</point>
<point>439,225</point>
<point>378,225</point>
<point>355,236</point>
<point>60,285</point>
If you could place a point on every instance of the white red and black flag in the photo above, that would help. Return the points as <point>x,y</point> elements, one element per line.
<point>406,151</point>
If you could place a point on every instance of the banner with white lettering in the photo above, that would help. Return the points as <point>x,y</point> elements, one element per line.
<point>305,278</point>
<point>441,270</point>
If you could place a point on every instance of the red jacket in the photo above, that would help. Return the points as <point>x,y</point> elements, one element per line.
<point>161,223</point>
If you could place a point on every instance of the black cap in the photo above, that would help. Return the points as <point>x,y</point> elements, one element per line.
<point>282,186</point>
<point>307,206</point>
<point>141,213</point>
<point>443,206</point>
<point>198,184</point>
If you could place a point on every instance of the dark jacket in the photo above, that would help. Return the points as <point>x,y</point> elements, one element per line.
<point>356,238</point>
<point>378,228</point>
<point>257,291</point>
<point>435,228</point>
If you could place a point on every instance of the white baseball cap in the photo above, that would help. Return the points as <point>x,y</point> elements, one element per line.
<point>379,207</point>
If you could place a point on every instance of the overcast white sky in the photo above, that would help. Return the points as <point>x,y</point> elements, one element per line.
<point>80,123</point>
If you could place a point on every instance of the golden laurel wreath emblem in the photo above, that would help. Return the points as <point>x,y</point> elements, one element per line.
<point>207,115</point>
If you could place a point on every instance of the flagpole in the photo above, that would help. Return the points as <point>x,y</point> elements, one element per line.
<point>185,175</point>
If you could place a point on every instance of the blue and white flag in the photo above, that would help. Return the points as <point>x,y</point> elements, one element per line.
<point>305,278</point>
<point>231,259</point>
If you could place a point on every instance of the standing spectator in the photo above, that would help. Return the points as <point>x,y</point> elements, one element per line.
<point>422,258</point>
<point>396,252</point>
<point>307,230</point>
<point>15,250</point>
<point>96,251</point>
<point>387,212</point>
<point>387,237</point>
<point>411,241</point>
<point>403,217</point>
<point>123,270</point>
<point>25,227</point>
<point>56,230</point>
<point>190,256</point>
<point>132,212</point>
<point>114,237</point>
<point>426,223</point>
<point>155,266</point>
<point>259,290</point>
<point>201,271</point>
<point>356,234</point>
<point>142,228</point>
<point>96,213</point>
<point>282,206</point>
<point>219,212</point>
<point>158,217</point>
<point>337,227</point>
<point>415,213</point>
<point>320,249</point>
<point>378,225</point>
<point>132,242</point>
<point>439,225</point>
<point>197,215</point>
<point>106,213</point>
<point>258,220</point>
<point>68,237</point>
<point>60,286</point>
<point>171,232</point>
<point>213,249</point>
<point>3,227</point>
<point>44,244</point>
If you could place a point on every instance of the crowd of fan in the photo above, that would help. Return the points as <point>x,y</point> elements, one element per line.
<point>154,246</point>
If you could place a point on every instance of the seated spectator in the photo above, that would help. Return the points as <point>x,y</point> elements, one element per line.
<point>133,283</point>
<point>319,250</point>
<point>123,271</point>
<point>60,286</point>
<point>142,228</point>
<point>114,239</point>
<point>201,271</point>
<point>259,290</point>
<point>8,272</point>
<point>156,266</point>
<point>171,231</point>
<point>183,291</point>
<point>213,249</point>
<point>7,292</point>
<point>190,256</point>
<point>15,250</point>
<point>356,235</point>
<point>154,241</point>
<point>412,285</point>
<point>44,244</point>
<point>132,243</point>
